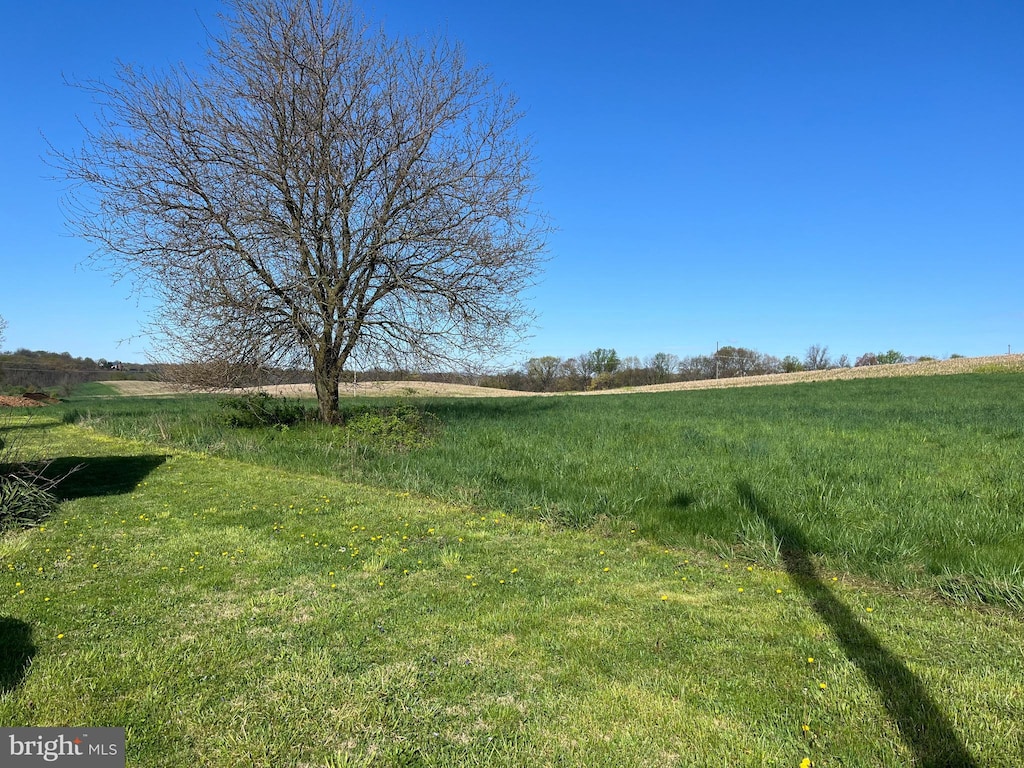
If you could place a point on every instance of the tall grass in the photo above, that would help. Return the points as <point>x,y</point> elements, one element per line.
<point>917,481</point>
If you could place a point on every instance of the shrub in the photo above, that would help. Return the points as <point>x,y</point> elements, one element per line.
<point>261,410</point>
<point>891,357</point>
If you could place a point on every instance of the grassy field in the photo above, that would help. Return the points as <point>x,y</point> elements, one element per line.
<point>638,580</point>
<point>230,614</point>
<point>916,481</point>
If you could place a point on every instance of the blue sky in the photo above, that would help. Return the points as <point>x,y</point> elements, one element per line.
<point>768,175</point>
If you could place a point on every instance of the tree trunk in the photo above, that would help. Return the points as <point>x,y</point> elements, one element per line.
<point>326,378</point>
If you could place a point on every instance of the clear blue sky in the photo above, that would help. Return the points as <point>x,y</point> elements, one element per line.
<point>769,175</point>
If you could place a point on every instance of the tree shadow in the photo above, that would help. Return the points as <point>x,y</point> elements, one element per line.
<point>924,728</point>
<point>76,477</point>
<point>16,652</point>
<point>86,476</point>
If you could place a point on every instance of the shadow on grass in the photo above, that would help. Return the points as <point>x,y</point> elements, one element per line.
<point>100,475</point>
<point>16,652</point>
<point>923,726</point>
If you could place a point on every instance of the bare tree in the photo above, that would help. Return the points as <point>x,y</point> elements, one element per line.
<point>663,365</point>
<point>542,372</point>
<point>817,358</point>
<point>3,330</point>
<point>319,194</point>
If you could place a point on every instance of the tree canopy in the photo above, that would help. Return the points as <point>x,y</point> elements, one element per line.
<point>318,194</point>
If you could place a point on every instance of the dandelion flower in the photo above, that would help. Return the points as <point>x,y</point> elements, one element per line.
<point>823,686</point>
<point>664,597</point>
<point>810,659</point>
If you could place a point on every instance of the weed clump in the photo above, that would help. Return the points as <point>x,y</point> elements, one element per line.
<point>23,501</point>
<point>394,428</point>
<point>26,490</point>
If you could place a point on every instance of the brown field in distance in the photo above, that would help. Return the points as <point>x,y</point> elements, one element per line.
<point>438,389</point>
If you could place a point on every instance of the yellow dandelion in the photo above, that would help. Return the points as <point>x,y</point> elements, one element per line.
<point>810,659</point>
<point>664,597</point>
<point>823,686</point>
<point>740,589</point>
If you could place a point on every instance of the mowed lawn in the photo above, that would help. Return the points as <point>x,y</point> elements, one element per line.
<point>229,612</point>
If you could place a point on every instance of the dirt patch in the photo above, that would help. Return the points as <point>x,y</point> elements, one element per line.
<point>439,389</point>
<point>22,402</point>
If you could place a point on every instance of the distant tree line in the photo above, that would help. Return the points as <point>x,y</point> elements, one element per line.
<point>25,370</point>
<point>604,369</point>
